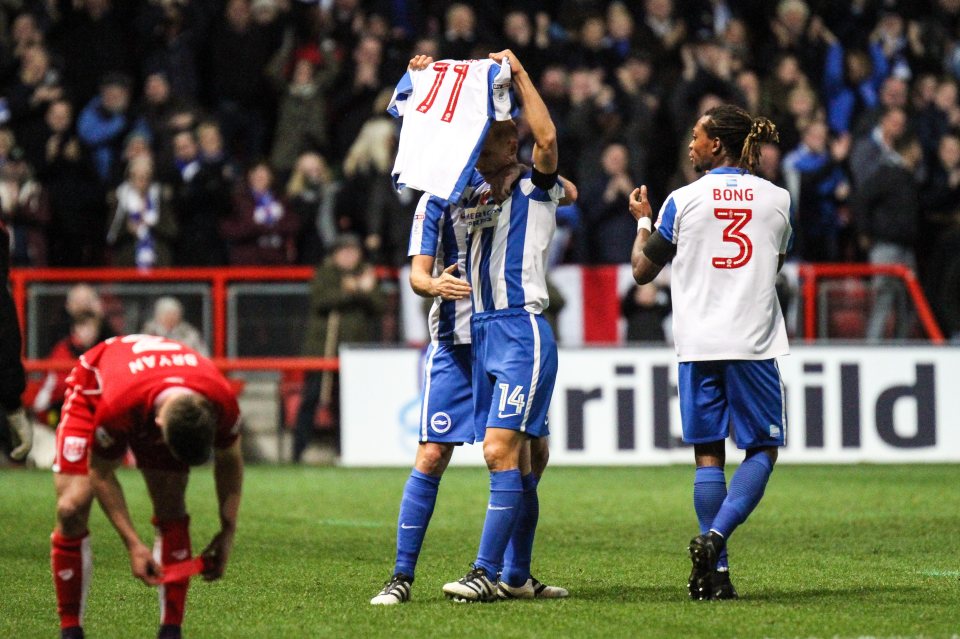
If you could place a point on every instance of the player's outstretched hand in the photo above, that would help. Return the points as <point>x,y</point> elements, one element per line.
<point>570,191</point>
<point>640,204</point>
<point>215,556</point>
<point>143,565</point>
<point>21,431</point>
<point>515,66</point>
<point>420,62</point>
<point>450,287</point>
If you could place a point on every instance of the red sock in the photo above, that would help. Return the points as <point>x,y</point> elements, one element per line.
<point>172,544</point>
<point>71,563</point>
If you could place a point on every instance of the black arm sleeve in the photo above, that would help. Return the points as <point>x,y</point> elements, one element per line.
<point>659,249</point>
<point>545,181</point>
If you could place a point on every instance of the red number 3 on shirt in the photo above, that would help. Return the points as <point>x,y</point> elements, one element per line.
<point>733,233</point>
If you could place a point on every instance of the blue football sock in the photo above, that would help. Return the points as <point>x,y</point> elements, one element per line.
<point>516,559</point>
<point>746,489</point>
<point>709,491</point>
<point>416,508</point>
<point>503,512</point>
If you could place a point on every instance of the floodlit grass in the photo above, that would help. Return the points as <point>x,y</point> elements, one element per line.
<point>838,551</point>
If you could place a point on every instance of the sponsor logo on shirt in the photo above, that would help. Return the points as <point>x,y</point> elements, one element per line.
<point>485,213</point>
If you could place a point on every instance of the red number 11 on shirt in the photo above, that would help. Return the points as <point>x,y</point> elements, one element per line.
<point>441,69</point>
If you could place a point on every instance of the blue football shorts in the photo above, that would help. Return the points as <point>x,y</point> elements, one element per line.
<point>446,410</point>
<point>747,393</point>
<point>514,371</point>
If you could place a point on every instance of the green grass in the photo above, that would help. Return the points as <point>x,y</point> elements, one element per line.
<point>848,551</point>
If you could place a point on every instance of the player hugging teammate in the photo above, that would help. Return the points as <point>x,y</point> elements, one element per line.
<point>492,362</point>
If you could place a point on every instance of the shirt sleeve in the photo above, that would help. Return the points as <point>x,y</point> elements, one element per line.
<point>786,243</point>
<point>401,93</point>
<point>427,222</point>
<point>228,427</point>
<point>667,220</point>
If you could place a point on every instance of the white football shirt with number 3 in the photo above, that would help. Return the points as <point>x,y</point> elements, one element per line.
<point>729,229</point>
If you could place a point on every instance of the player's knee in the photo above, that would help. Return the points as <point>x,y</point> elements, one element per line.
<point>499,455</point>
<point>433,459</point>
<point>72,513</point>
<point>770,451</point>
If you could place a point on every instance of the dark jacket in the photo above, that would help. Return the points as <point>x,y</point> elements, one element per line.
<point>359,312</point>
<point>200,200</point>
<point>12,380</point>
<point>887,205</point>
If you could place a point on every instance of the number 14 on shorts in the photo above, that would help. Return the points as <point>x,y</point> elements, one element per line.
<point>511,401</point>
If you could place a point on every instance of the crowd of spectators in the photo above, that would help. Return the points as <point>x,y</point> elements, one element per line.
<point>206,132</point>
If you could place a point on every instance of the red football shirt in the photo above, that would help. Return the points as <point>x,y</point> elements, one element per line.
<point>121,378</point>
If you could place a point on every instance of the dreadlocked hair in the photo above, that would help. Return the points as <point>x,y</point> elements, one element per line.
<point>737,130</point>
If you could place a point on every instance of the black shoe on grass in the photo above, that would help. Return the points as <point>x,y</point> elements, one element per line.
<point>704,553</point>
<point>721,587</point>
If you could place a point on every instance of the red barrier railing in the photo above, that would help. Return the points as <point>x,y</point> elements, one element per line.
<point>811,273</point>
<point>226,364</point>
<point>218,278</point>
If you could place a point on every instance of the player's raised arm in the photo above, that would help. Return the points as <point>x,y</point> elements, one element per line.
<point>103,479</point>
<point>448,286</point>
<point>649,254</point>
<point>228,477</point>
<point>544,131</point>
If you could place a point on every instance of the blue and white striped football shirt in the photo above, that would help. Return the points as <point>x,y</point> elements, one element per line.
<point>438,230</point>
<point>507,245</point>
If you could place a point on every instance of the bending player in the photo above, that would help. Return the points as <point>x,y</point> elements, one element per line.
<point>169,405</point>
<point>510,221</point>
<point>727,234</point>
<point>438,268</point>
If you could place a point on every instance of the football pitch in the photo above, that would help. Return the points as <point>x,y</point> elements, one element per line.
<point>832,551</point>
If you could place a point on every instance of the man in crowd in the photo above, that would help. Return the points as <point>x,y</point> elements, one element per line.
<point>12,379</point>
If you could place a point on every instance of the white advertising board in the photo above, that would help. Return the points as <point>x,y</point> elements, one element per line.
<point>619,406</point>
